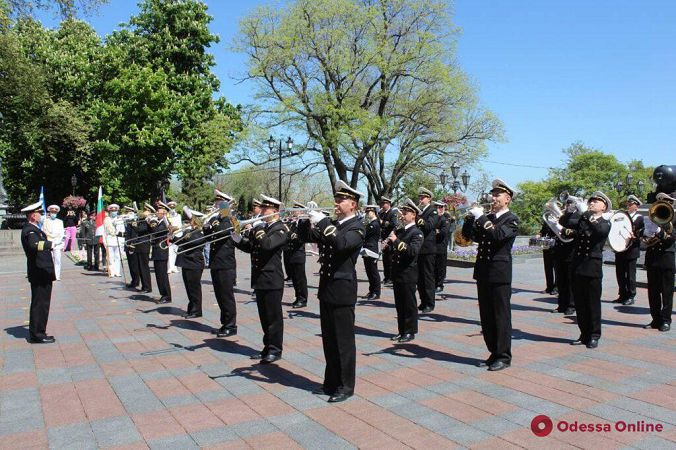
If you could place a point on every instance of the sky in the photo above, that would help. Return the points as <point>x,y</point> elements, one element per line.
<point>554,72</point>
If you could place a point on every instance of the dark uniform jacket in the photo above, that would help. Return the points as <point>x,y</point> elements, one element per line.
<point>405,254</point>
<point>339,246</point>
<point>159,242</point>
<point>142,245</point>
<point>634,250</point>
<point>190,244</point>
<point>427,222</point>
<point>546,232</point>
<point>372,236</point>
<point>266,243</point>
<point>661,254</point>
<point>564,250</point>
<point>495,237</point>
<point>442,233</point>
<point>295,249</point>
<point>222,253</point>
<point>388,222</point>
<point>37,248</point>
<point>88,232</point>
<point>130,232</point>
<point>590,237</point>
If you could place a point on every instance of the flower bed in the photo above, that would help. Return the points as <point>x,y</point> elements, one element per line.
<point>468,254</point>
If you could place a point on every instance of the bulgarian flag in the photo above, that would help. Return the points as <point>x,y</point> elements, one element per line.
<point>100,216</point>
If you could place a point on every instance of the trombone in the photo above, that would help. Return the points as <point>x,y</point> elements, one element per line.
<point>235,228</point>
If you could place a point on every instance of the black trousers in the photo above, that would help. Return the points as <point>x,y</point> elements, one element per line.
<point>440,269</point>
<point>371,268</point>
<point>340,351</point>
<point>134,268</point>
<point>496,319</point>
<point>625,271</point>
<point>41,295</point>
<point>144,271</point>
<point>192,279</point>
<point>387,264</point>
<point>587,294</point>
<point>660,294</point>
<point>564,282</point>
<point>162,277</point>
<point>426,285</point>
<point>285,258</point>
<point>407,311</point>
<point>549,261</point>
<point>269,304</point>
<point>299,279</point>
<point>93,255</point>
<point>224,282</point>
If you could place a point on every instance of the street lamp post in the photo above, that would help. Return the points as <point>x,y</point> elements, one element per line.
<point>628,187</point>
<point>73,183</point>
<point>271,146</point>
<point>456,185</point>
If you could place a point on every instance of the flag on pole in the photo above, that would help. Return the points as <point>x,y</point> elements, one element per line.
<point>42,202</point>
<point>100,216</point>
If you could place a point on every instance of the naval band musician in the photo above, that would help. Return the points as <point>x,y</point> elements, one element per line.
<point>660,264</point>
<point>371,243</point>
<point>388,223</point>
<point>160,255</point>
<point>265,242</point>
<point>427,221</point>
<point>625,262</point>
<point>405,244</point>
<point>339,243</point>
<point>294,255</point>
<point>495,232</point>
<point>590,234</point>
<point>191,261</point>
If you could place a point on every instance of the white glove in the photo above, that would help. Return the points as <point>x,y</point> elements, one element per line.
<point>258,223</point>
<point>315,217</point>
<point>581,206</point>
<point>236,238</point>
<point>477,211</point>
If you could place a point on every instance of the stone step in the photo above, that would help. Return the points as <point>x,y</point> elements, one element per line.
<point>10,252</point>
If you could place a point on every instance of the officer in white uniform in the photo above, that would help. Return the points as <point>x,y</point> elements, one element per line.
<point>114,240</point>
<point>56,233</point>
<point>176,222</point>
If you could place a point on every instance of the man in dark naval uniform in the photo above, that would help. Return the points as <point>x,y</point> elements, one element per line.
<point>160,255</point>
<point>222,263</point>
<point>625,262</point>
<point>442,234</point>
<point>563,252</point>
<point>549,260</point>
<point>131,234</point>
<point>141,247</point>
<point>659,263</point>
<point>590,235</point>
<point>190,258</point>
<point>265,242</point>
<point>294,255</point>
<point>339,242</point>
<point>495,232</point>
<point>427,221</point>
<point>40,268</point>
<point>371,251</point>
<point>406,243</point>
<point>388,223</point>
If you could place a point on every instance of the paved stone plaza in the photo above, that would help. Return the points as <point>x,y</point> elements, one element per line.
<point>126,372</point>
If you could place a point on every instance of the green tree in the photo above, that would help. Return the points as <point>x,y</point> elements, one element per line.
<point>374,84</point>
<point>66,8</point>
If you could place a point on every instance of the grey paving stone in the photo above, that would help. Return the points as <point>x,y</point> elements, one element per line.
<point>90,372</point>
<point>134,394</point>
<point>179,400</point>
<point>418,394</point>
<point>18,361</point>
<point>115,431</point>
<point>179,442</point>
<point>496,425</point>
<point>213,436</point>
<point>654,443</point>
<point>447,387</point>
<point>210,396</point>
<point>77,436</point>
<point>649,410</point>
<point>391,401</point>
<point>301,400</point>
<point>253,428</point>
<point>53,376</point>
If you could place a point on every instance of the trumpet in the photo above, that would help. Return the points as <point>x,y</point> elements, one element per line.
<point>661,214</point>
<point>484,201</point>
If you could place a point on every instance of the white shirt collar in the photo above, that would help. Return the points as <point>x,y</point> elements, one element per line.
<point>406,227</point>
<point>340,222</point>
<point>423,210</point>
<point>500,213</point>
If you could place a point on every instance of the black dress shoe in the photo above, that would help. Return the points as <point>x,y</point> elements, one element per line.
<point>556,310</point>
<point>146,291</point>
<point>257,356</point>
<point>320,391</point>
<point>226,333</point>
<point>628,302</point>
<point>651,325</point>
<point>395,338</point>
<point>270,358</point>
<point>593,343</point>
<point>164,299</point>
<point>439,289</point>
<point>408,337</point>
<point>299,304</point>
<point>373,297</point>
<point>191,315</point>
<point>498,365</point>
<point>366,296</point>
<point>426,310</point>
<point>485,363</point>
<point>336,398</point>
<point>569,312</point>
<point>554,292</point>
<point>618,300</point>
<point>665,327</point>
<point>42,340</point>
<point>579,341</point>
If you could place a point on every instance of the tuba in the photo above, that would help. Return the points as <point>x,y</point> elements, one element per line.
<point>460,239</point>
<point>552,211</point>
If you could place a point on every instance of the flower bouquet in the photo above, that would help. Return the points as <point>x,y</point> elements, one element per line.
<point>74,202</point>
